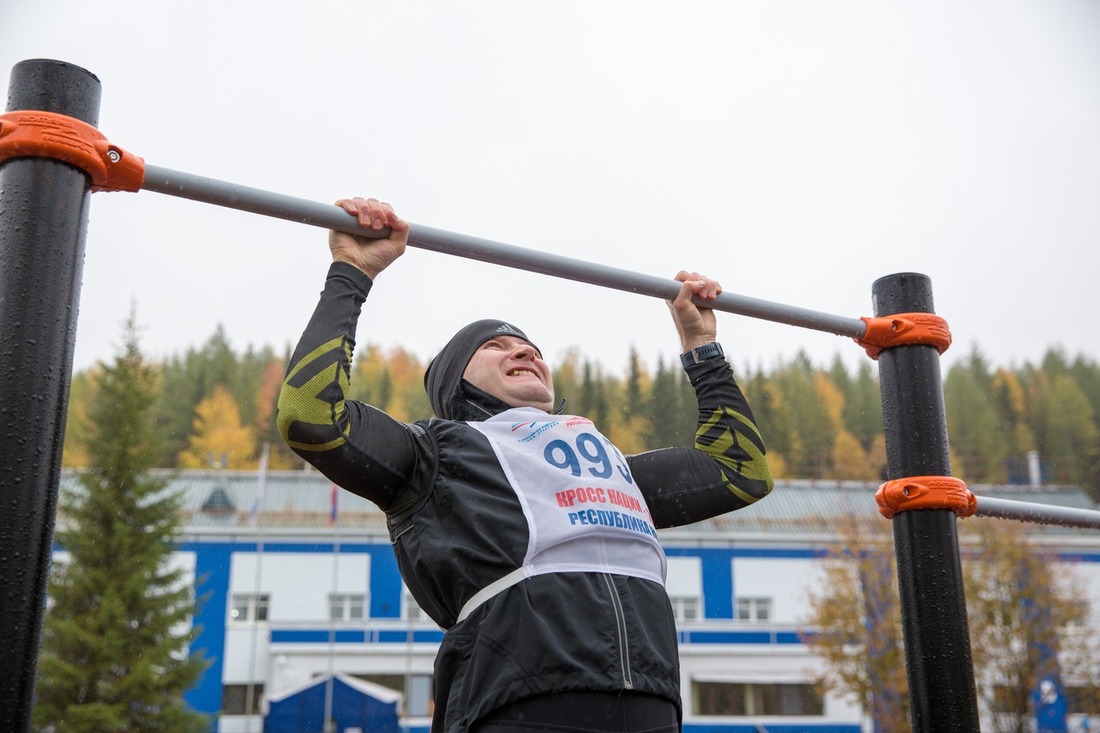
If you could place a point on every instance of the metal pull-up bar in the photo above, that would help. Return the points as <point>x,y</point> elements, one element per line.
<point>328,216</point>
<point>1027,511</point>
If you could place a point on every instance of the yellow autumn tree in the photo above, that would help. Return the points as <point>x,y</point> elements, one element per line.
<point>391,380</point>
<point>218,436</point>
<point>74,450</point>
<point>1026,614</point>
<point>1025,611</point>
<point>850,461</point>
<point>370,378</point>
<point>856,617</point>
<point>1011,403</point>
<point>876,457</point>
<point>267,396</point>
<point>628,434</point>
<point>406,373</point>
<point>784,437</point>
<point>847,458</point>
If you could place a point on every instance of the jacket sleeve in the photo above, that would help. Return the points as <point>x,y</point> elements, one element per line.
<point>726,470</point>
<point>355,445</point>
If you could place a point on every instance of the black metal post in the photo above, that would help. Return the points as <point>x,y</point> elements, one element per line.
<point>933,606</point>
<point>43,220</point>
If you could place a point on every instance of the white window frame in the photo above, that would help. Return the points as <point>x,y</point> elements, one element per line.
<point>687,609</point>
<point>754,609</point>
<point>347,604</point>
<point>410,609</point>
<point>254,605</point>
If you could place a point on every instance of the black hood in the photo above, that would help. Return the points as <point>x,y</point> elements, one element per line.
<point>453,398</point>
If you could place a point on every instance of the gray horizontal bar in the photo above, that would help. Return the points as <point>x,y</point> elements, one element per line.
<point>1037,513</point>
<point>328,216</point>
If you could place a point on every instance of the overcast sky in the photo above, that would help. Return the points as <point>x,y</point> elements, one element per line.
<point>795,151</point>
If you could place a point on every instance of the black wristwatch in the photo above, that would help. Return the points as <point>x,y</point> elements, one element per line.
<point>713,350</point>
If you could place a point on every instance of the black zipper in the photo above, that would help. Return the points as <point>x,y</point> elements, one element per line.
<point>620,626</point>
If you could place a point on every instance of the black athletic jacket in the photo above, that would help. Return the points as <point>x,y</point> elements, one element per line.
<point>457,526</point>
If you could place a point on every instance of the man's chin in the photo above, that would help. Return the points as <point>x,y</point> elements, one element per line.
<point>538,401</point>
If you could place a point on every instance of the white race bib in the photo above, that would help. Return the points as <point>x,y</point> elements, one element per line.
<point>583,509</point>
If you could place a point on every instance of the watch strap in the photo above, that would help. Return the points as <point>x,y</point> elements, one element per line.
<point>713,350</point>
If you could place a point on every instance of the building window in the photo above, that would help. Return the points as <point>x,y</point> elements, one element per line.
<point>756,699</point>
<point>416,688</point>
<point>242,699</point>
<point>754,609</point>
<point>249,607</point>
<point>346,606</point>
<point>685,608</point>
<point>411,610</point>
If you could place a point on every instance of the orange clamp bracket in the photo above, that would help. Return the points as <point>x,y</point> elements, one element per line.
<point>904,329</point>
<point>40,134</point>
<point>925,492</point>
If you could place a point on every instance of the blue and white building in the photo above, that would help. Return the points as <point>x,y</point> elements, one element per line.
<point>302,604</point>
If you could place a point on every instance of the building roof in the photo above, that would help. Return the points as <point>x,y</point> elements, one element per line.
<point>216,501</point>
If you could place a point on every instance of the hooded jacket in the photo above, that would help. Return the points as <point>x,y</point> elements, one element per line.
<point>452,397</point>
<point>527,536</point>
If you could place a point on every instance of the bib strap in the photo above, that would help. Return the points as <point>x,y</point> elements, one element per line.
<point>489,591</point>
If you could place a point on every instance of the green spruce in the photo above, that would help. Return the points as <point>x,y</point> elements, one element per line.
<point>115,650</point>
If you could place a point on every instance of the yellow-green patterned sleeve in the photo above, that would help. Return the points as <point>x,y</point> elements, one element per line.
<point>727,469</point>
<point>355,445</point>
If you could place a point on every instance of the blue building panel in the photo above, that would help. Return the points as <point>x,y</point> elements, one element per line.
<point>212,590</point>
<point>318,636</point>
<point>385,583</point>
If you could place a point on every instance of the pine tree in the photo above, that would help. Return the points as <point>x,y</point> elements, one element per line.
<point>115,652</point>
<point>862,402</point>
<point>672,414</point>
<point>976,427</point>
<point>632,432</point>
<point>810,434</point>
<point>593,398</point>
<point>567,381</point>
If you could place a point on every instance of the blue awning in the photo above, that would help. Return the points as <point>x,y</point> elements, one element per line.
<point>356,706</point>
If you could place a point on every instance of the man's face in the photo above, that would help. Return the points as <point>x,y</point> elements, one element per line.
<point>511,370</point>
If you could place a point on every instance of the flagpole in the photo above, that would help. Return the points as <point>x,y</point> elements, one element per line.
<point>407,700</point>
<point>333,520</point>
<point>254,518</point>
